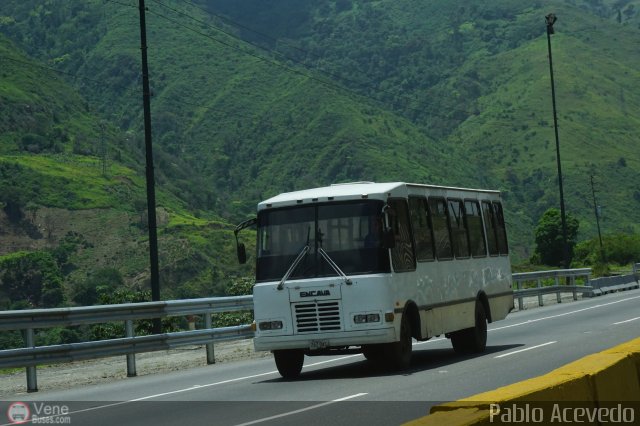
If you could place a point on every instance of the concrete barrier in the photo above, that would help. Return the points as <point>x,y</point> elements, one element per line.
<point>591,389</point>
<point>604,285</point>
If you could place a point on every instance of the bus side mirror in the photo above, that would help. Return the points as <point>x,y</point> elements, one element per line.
<point>388,239</point>
<point>242,253</point>
<point>241,250</point>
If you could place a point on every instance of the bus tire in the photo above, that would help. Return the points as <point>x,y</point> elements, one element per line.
<point>474,339</point>
<point>373,353</point>
<point>289,362</point>
<point>399,353</point>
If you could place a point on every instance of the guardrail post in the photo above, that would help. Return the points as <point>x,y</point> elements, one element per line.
<point>539,286</point>
<point>131,358</point>
<point>32,379</point>
<point>520,299</point>
<point>575,290</point>
<point>587,282</point>
<point>558,293</point>
<point>211,359</point>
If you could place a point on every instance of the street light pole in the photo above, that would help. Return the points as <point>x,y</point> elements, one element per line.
<point>551,19</point>
<point>595,209</point>
<point>151,194</point>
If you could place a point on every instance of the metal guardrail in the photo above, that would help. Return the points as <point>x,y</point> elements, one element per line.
<point>590,287</point>
<point>557,275</point>
<point>57,317</point>
<point>29,320</point>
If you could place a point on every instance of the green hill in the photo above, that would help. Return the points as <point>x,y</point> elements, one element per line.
<point>58,196</point>
<point>253,97</point>
<point>476,77</point>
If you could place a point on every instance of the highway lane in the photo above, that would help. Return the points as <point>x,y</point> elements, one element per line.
<point>348,390</point>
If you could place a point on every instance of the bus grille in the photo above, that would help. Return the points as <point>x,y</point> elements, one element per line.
<point>317,317</point>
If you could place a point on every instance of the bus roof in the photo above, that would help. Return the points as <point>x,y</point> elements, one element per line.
<point>356,191</point>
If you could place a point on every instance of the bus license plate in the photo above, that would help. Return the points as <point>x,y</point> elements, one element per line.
<point>319,344</point>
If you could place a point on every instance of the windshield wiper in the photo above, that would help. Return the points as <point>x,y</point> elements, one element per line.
<point>293,266</point>
<point>333,265</point>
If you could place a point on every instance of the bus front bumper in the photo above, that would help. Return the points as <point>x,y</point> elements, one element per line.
<point>325,341</point>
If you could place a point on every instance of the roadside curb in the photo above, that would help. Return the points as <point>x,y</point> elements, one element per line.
<point>593,382</point>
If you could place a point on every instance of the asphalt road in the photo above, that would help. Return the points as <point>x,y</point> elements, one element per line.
<point>343,390</point>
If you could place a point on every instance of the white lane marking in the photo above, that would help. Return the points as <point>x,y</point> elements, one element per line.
<point>430,341</point>
<point>629,320</point>
<point>301,410</point>
<point>359,355</point>
<point>331,360</point>
<point>223,382</point>
<point>237,379</point>
<point>564,314</point>
<point>525,349</point>
<point>194,387</point>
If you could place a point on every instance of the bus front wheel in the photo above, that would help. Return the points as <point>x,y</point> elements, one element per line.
<point>289,362</point>
<point>399,353</point>
<point>373,353</point>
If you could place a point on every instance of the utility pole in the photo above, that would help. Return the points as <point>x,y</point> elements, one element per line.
<point>551,19</point>
<point>151,194</point>
<point>103,148</point>
<point>595,209</point>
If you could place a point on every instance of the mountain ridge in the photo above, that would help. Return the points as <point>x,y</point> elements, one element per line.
<point>369,90</point>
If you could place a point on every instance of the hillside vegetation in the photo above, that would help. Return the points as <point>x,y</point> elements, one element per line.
<point>252,98</point>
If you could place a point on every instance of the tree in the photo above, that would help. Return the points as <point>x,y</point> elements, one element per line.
<point>549,241</point>
<point>101,286</point>
<point>240,286</point>
<point>32,279</point>
<point>13,199</point>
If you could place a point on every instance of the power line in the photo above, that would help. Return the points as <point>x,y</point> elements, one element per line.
<point>244,27</point>
<point>253,55</point>
<point>271,51</point>
<point>35,65</point>
<point>293,70</point>
<point>308,67</point>
<point>366,86</point>
<point>121,4</point>
<point>493,123</point>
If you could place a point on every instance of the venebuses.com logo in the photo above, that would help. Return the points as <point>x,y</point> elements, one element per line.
<point>18,412</point>
<point>38,413</point>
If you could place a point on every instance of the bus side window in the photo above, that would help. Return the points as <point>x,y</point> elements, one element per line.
<point>441,229</point>
<point>501,232</point>
<point>402,254</point>
<point>490,227</point>
<point>476,230</point>
<point>459,228</point>
<point>421,226</point>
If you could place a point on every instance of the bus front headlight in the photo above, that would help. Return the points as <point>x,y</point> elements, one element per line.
<point>270,325</point>
<point>366,318</point>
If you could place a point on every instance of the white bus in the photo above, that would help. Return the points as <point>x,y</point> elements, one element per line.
<point>368,266</point>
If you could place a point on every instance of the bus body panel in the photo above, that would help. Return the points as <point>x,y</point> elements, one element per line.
<point>445,292</point>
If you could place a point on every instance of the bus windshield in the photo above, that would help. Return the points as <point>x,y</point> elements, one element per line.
<point>350,233</point>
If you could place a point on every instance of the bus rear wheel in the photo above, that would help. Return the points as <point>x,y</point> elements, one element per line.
<point>289,362</point>
<point>474,339</point>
